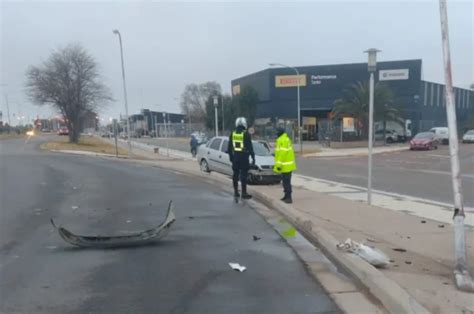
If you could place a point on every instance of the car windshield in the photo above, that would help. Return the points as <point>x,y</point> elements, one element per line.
<point>424,135</point>
<point>260,149</point>
<point>471,132</point>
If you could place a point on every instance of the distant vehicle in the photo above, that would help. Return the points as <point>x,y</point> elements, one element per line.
<point>424,141</point>
<point>441,134</point>
<point>390,136</point>
<point>401,127</point>
<point>468,137</point>
<point>213,157</point>
<point>45,130</point>
<point>63,131</point>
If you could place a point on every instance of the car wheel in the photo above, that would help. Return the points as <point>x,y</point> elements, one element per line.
<point>389,140</point>
<point>445,142</point>
<point>436,147</point>
<point>204,166</point>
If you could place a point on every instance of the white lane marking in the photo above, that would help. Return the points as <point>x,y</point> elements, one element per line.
<point>440,156</point>
<point>470,176</point>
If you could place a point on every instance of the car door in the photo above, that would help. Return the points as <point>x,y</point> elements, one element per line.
<point>224,161</point>
<point>213,153</point>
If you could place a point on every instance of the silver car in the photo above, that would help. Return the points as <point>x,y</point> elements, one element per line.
<point>213,157</point>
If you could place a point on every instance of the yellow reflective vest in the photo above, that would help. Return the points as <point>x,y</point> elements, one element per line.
<point>284,155</point>
<point>238,141</point>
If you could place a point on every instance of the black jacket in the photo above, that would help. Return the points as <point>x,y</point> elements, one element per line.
<point>248,147</point>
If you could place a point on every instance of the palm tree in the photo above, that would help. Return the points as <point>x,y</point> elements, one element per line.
<point>355,102</point>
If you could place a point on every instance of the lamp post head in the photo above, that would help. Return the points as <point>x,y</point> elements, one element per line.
<point>116,32</point>
<point>372,63</point>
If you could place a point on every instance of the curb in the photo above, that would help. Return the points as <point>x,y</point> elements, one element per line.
<point>388,292</point>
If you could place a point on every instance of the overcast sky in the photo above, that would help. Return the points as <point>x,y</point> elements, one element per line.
<point>168,45</point>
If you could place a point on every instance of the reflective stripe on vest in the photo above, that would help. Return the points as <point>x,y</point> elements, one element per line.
<point>238,141</point>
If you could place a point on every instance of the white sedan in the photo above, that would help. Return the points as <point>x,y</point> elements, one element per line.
<point>213,157</point>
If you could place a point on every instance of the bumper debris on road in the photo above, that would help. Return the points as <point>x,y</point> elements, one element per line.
<point>134,239</point>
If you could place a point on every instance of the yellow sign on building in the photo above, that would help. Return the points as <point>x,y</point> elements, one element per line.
<point>290,80</point>
<point>235,90</point>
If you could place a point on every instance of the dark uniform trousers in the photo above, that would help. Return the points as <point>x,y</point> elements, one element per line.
<point>240,168</point>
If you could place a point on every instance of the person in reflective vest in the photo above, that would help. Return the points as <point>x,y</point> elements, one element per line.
<point>285,162</point>
<point>240,149</point>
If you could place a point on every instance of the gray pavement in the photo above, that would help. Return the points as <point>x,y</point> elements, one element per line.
<point>187,272</point>
<point>423,174</point>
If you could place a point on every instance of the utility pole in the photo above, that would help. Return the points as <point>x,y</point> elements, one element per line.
<point>8,110</point>
<point>223,119</point>
<point>372,66</point>
<point>116,32</point>
<point>216,103</point>
<point>461,273</point>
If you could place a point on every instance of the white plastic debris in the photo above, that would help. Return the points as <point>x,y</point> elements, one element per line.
<point>74,207</point>
<point>237,266</point>
<point>372,255</point>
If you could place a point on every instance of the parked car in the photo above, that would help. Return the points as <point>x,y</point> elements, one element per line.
<point>468,137</point>
<point>424,140</point>
<point>63,131</point>
<point>213,157</point>
<point>442,134</point>
<point>45,130</point>
<point>390,136</point>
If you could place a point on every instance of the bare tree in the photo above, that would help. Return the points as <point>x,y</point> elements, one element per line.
<point>194,97</point>
<point>69,81</point>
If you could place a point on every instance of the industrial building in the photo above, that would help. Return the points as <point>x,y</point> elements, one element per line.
<point>420,101</point>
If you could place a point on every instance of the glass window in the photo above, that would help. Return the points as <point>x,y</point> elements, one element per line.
<point>224,146</point>
<point>216,143</point>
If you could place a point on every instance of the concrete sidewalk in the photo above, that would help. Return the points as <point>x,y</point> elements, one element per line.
<point>421,250</point>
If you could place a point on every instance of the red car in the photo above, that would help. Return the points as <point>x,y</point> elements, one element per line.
<point>424,140</point>
<point>63,131</point>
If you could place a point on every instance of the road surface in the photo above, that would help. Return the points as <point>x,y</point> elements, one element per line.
<point>424,174</point>
<point>187,272</point>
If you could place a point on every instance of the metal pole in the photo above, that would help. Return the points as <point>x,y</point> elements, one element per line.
<point>217,125</point>
<point>223,129</point>
<point>125,95</point>
<point>300,138</point>
<point>115,136</point>
<point>166,134</point>
<point>8,110</point>
<point>216,103</point>
<point>462,277</point>
<point>371,127</point>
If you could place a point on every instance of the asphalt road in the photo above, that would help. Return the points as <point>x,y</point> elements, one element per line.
<point>424,174</point>
<point>187,272</point>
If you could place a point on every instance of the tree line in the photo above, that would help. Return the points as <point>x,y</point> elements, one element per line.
<point>197,103</point>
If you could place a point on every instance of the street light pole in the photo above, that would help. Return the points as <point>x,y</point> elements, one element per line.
<point>300,139</point>
<point>223,129</point>
<point>216,103</point>
<point>372,64</point>
<point>462,276</point>
<point>116,32</point>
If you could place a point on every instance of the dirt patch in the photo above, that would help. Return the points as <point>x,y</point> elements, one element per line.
<point>86,143</point>
<point>12,135</point>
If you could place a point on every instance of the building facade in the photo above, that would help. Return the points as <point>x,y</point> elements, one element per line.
<point>420,101</point>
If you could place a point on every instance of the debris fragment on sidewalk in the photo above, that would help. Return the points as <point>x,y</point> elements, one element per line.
<point>237,267</point>
<point>372,255</point>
